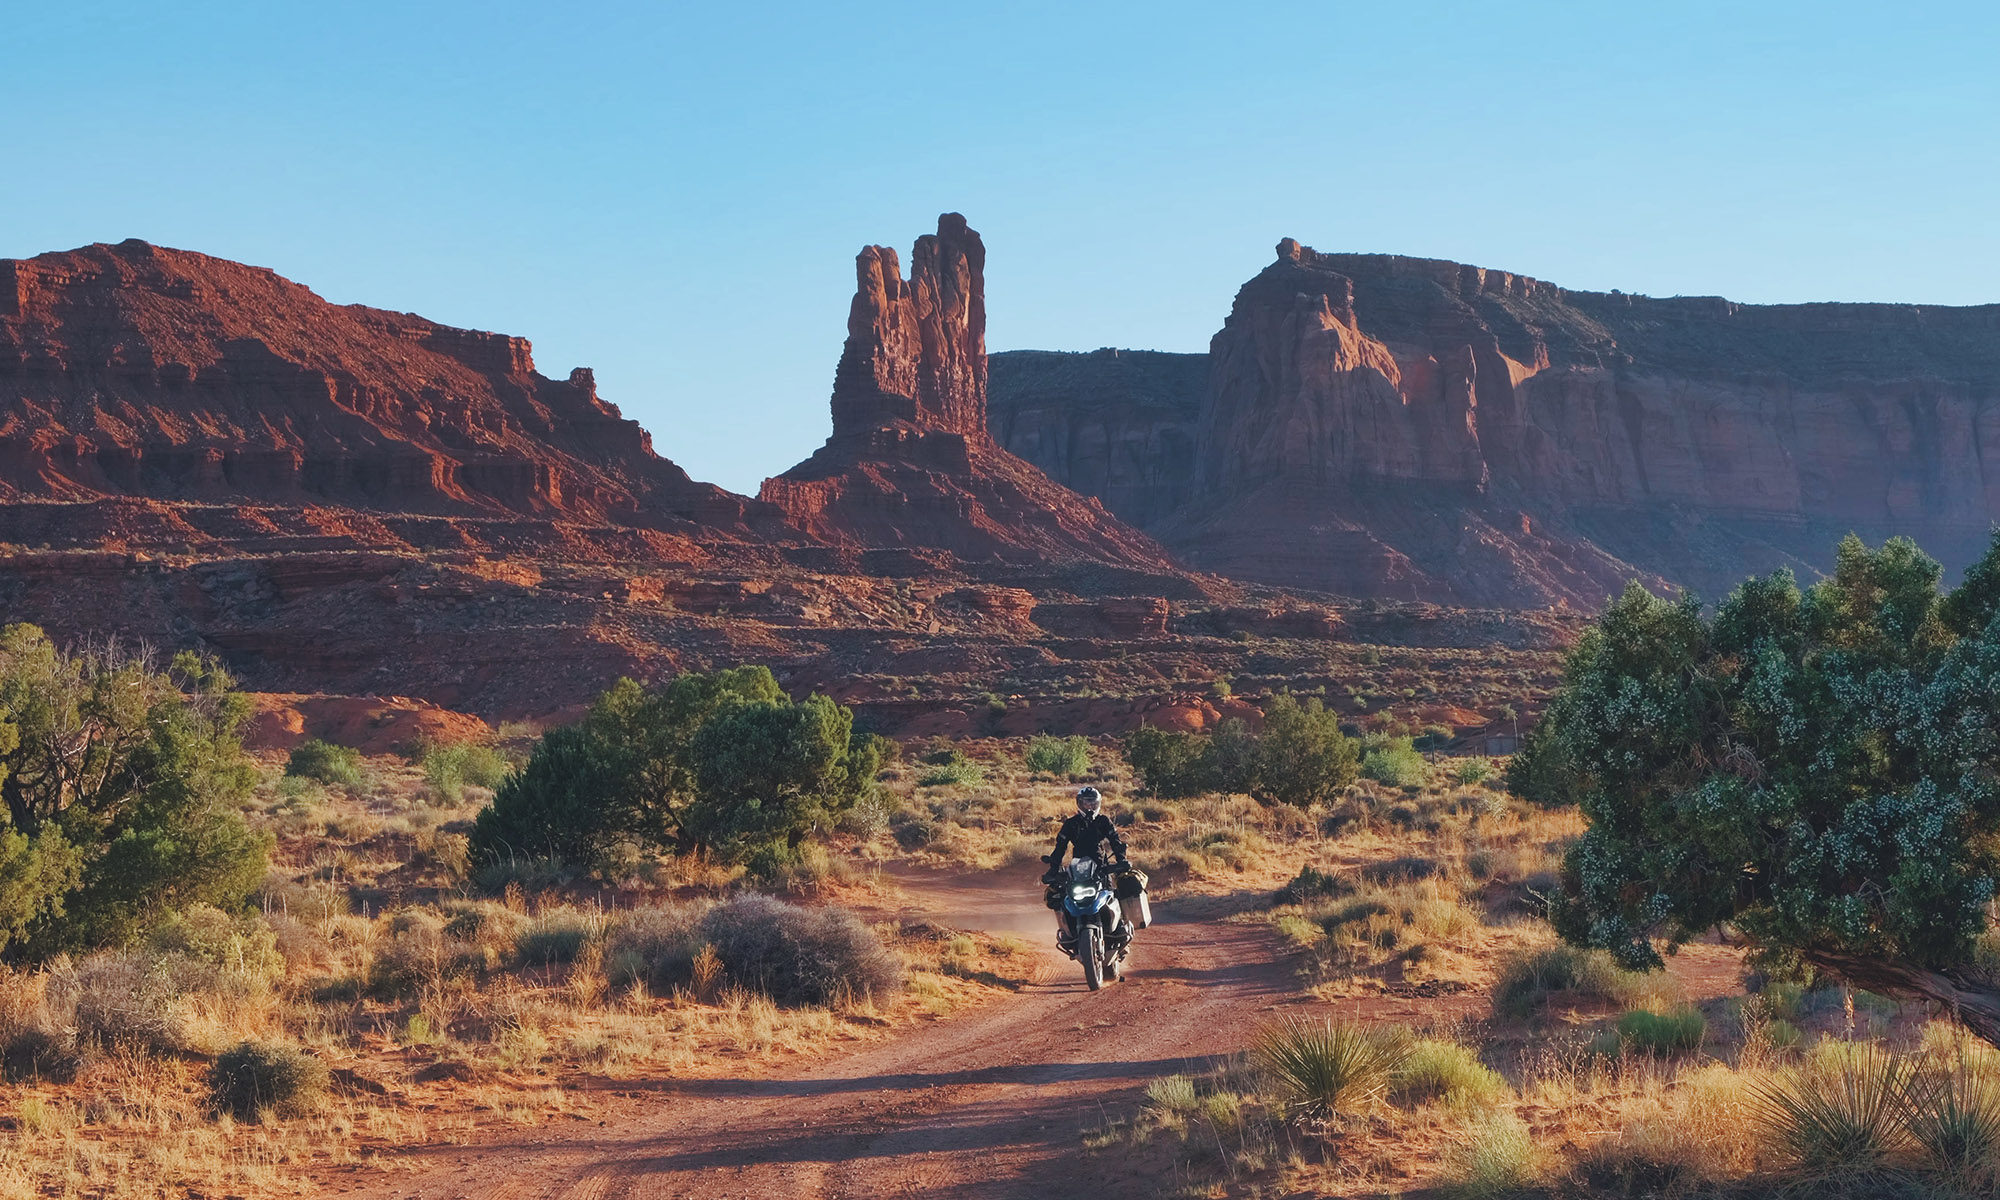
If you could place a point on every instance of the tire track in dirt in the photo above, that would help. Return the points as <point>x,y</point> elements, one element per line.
<point>992,1103</point>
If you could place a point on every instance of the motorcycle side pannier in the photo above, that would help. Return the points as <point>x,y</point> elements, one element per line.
<point>1131,891</point>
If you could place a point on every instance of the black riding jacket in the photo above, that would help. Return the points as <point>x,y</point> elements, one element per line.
<point>1086,834</point>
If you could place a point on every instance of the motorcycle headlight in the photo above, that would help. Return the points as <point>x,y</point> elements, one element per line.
<point>1083,891</point>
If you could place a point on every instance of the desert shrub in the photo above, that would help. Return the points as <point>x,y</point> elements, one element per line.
<point>1679,1030</point>
<point>327,763</point>
<point>784,868</point>
<point>1953,1115</point>
<point>123,793</point>
<point>557,937</point>
<point>1471,771</point>
<point>871,814</point>
<point>36,1042</point>
<point>1396,763</point>
<point>243,950</point>
<point>955,770</point>
<point>1172,1094</point>
<point>36,1053</point>
<point>724,761</point>
<point>484,929</point>
<point>122,1000</point>
<point>1067,757</point>
<point>1493,1156</point>
<point>253,1078</point>
<point>655,945</point>
<point>1311,883</point>
<point>449,769</point>
<point>1447,1071</point>
<point>1324,1067</point>
<point>800,955</point>
<point>1528,979</point>
<point>1169,765</point>
<point>1843,1111</point>
<point>1303,758</point>
<point>1405,869</point>
<point>412,951</point>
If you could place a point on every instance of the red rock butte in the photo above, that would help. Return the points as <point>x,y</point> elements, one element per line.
<point>910,461</point>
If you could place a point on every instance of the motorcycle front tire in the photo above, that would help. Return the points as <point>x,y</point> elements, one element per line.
<point>1090,952</point>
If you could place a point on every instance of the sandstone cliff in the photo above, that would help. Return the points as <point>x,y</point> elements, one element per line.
<point>138,371</point>
<point>1388,426</point>
<point>910,461</point>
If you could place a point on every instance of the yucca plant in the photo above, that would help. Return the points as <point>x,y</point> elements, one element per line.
<point>1845,1114</point>
<point>1326,1066</point>
<point>1954,1115</point>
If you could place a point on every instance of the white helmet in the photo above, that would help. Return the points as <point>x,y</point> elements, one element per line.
<point>1088,802</point>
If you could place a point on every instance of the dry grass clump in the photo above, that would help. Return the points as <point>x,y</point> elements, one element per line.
<point>1530,981</point>
<point>1447,1073</point>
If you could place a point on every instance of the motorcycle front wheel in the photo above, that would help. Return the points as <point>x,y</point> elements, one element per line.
<point>1090,952</point>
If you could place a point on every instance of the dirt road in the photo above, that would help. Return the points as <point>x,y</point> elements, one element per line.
<point>989,1104</point>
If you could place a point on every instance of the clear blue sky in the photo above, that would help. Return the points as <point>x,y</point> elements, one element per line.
<point>673,194</point>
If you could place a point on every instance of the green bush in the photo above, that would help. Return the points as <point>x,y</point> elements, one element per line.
<point>1676,1031</point>
<point>722,761</point>
<point>1447,1071</point>
<point>449,769</point>
<point>1169,765</point>
<point>1471,771</point>
<point>124,787</point>
<point>1396,763</point>
<point>254,1078</point>
<point>800,955</point>
<point>956,770</point>
<point>325,762</point>
<point>1303,758</point>
<point>1324,1067</point>
<point>1067,757</point>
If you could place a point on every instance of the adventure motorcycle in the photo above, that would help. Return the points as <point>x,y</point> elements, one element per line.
<point>1093,928</point>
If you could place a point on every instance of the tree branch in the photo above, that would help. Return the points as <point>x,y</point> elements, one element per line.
<point>1972,1001</point>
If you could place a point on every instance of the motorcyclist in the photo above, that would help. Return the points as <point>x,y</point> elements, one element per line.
<point>1089,832</point>
<point>1091,835</point>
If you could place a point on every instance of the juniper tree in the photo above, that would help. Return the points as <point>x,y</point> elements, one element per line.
<point>1819,767</point>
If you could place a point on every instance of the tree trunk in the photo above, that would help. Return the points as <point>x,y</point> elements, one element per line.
<point>1972,1001</point>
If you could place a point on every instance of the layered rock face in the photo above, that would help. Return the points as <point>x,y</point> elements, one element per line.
<point>1115,424</point>
<point>910,461</point>
<point>1388,426</point>
<point>137,371</point>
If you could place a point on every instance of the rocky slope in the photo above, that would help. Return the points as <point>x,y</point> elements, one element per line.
<point>1387,426</point>
<point>138,371</point>
<point>910,461</point>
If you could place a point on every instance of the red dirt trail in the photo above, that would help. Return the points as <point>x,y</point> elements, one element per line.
<point>992,1103</point>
